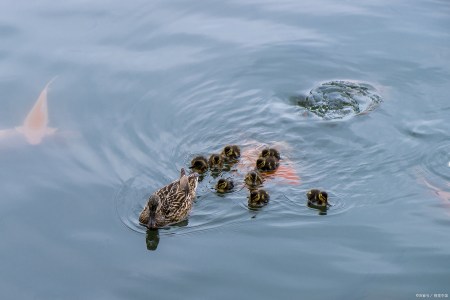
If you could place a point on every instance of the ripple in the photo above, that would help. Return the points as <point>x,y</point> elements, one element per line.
<point>298,205</point>
<point>211,210</point>
<point>437,161</point>
<point>339,100</point>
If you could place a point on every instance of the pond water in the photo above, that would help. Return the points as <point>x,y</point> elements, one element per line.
<point>143,87</point>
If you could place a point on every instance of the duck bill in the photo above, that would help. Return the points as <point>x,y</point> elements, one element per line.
<point>151,223</point>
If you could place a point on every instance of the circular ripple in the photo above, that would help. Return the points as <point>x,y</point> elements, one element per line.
<point>438,162</point>
<point>211,210</point>
<point>299,205</point>
<point>339,100</point>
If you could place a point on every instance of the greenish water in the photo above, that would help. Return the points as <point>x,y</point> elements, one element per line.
<point>144,87</point>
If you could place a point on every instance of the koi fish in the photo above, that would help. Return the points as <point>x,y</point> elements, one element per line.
<point>35,126</point>
<point>285,171</point>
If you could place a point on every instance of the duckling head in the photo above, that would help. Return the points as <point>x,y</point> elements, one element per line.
<point>215,161</point>
<point>261,163</point>
<point>258,198</point>
<point>271,163</point>
<point>153,204</point>
<point>266,152</point>
<point>313,195</point>
<point>253,178</point>
<point>323,198</point>
<point>199,164</point>
<point>224,185</point>
<point>231,151</point>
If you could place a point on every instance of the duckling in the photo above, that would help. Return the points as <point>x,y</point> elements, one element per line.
<point>199,164</point>
<point>215,162</point>
<point>224,185</point>
<point>253,179</point>
<point>266,152</point>
<point>231,152</point>
<point>258,198</point>
<point>268,163</point>
<point>317,198</point>
<point>171,203</point>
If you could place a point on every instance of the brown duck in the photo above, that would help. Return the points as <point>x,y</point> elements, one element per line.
<point>170,204</point>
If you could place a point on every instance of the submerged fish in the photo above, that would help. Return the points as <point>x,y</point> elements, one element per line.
<point>35,126</point>
<point>285,171</point>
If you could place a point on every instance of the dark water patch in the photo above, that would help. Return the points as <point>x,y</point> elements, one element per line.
<point>339,100</point>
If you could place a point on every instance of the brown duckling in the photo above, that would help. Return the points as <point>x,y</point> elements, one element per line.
<point>266,152</point>
<point>215,162</point>
<point>224,185</point>
<point>253,179</point>
<point>231,152</point>
<point>171,203</point>
<point>317,198</point>
<point>258,198</point>
<point>199,164</point>
<point>268,163</point>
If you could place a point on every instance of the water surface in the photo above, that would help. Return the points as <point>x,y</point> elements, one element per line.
<point>144,87</point>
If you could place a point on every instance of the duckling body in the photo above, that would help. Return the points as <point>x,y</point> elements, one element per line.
<point>224,185</point>
<point>258,198</point>
<point>270,152</point>
<point>268,163</point>
<point>215,162</point>
<point>253,179</point>
<point>231,152</point>
<point>171,203</point>
<point>317,198</point>
<point>199,164</point>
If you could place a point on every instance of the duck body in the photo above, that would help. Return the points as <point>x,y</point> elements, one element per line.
<point>171,203</point>
<point>199,164</point>
<point>253,179</point>
<point>224,185</point>
<point>258,198</point>
<point>317,198</point>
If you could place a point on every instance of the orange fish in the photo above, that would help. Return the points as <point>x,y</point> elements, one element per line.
<point>440,193</point>
<point>285,171</point>
<point>35,127</point>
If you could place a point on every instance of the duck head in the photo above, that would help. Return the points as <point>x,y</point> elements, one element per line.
<point>153,204</point>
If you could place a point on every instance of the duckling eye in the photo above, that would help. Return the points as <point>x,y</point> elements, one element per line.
<point>227,149</point>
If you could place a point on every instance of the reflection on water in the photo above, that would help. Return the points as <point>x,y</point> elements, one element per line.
<point>152,239</point>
